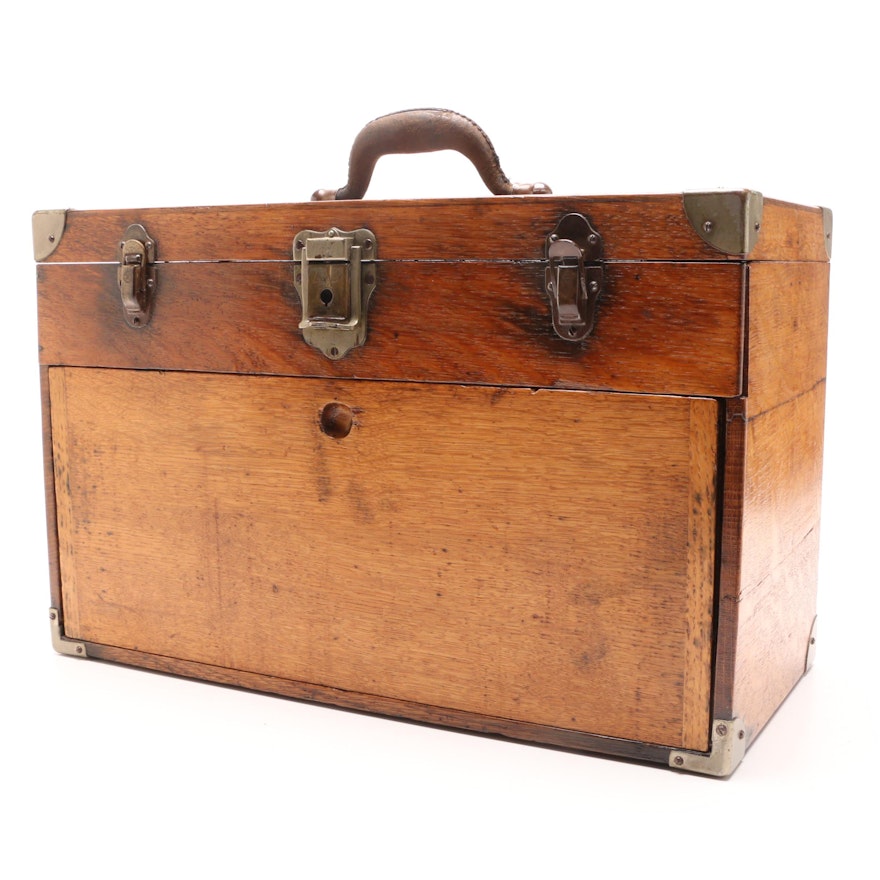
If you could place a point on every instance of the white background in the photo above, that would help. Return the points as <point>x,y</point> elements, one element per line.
<point>114,773</point>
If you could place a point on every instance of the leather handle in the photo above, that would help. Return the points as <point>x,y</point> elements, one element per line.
<point>424,131</point>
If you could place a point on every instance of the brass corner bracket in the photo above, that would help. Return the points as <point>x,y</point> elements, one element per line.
<point>728,221</point>
<point>48,227</point>
<point>60,643</point>
<point>827,228</point>
<point>728,748</point>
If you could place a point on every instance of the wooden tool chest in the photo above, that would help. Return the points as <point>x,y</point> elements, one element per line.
<point>544,467</point>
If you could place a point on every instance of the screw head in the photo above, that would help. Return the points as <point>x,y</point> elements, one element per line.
<point>592,238</point>
<point>708,226</point>
<point>721,729</point>
<point>594,287</point>
<point>52,615</point>
<point>678,760</point>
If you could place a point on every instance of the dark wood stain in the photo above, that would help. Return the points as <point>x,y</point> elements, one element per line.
<point>233,318</point>
<point>675,318</point>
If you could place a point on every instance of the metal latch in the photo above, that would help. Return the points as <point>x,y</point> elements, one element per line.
<point>574,276</point>
<point>335,278</point>
<point>137,275</point>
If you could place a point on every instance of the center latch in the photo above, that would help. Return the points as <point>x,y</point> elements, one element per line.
<point>335,277</point>
<point>574,276</point>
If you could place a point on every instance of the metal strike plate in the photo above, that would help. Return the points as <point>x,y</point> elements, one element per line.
<point>728,749</point>
<point>574,276</point>
<point>335,277</point>
<point>137,276</point>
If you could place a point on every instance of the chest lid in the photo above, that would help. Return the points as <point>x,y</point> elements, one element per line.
<point>524,288</point>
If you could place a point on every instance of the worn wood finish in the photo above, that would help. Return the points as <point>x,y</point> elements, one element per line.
<point>730,554</point>
<point>790,232</point>
<point>570,587</point>
<point>495,228</point>
<point>775,619</point>
<point>49,488</point>
<point>772,479</point>
<point>771,602</point>
<point>489,539</point>
<point>788,329</point>
<point>419,712</point>
<point>662,327</point>
<point>633,228</point>
<point>783,473</point>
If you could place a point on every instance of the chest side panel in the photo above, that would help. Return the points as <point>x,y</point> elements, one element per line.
<point>539,556</point>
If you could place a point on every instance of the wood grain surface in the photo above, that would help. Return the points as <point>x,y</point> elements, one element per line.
<point>633,228</point>
<point>788,331</point>
<point>790,233</point>
<point>477,534</point>
<point>418,712</point>
<point>662,327</point>
<point>771,494</point>
<point>544,557</point>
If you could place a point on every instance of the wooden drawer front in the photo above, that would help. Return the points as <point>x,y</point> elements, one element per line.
<point>539,556</point>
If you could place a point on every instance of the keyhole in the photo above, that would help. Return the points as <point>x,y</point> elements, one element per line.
<point>326,296</point>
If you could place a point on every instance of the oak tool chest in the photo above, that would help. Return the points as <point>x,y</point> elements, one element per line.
<point>546,467</point>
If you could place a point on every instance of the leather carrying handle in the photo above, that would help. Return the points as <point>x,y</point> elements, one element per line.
<point>425,131</point>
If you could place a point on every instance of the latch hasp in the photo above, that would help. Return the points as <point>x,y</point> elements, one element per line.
<point>574,276</point>
<point>335,279</point>
<point>136,276</point>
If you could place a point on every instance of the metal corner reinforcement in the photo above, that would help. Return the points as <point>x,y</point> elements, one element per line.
<point>728,221</point>
<point>728,749</point>
<point>61,644</point>
<point>48,228</point>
